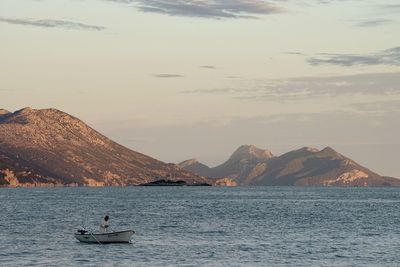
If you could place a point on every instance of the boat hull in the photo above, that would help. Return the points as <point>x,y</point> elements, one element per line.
<point>106,238</point>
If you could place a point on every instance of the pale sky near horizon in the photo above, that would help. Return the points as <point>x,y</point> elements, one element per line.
<point>197,78</point>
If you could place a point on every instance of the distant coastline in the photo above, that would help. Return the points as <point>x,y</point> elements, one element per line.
<point>50,148</point>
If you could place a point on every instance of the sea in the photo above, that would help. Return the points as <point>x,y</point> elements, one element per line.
<point>203,226</point>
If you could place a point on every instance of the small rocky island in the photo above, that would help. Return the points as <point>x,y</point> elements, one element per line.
<point>173,183</point>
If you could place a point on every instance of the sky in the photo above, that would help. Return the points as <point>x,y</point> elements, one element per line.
<point>198,78</point>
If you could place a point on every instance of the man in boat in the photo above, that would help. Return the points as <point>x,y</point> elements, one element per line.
<point>105,223</point>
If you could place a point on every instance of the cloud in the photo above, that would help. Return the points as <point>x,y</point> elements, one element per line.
<point>208,67</point>
<point>390,57</point>
<point>374,22</point>
<point>168,75</point>
<point>378,107</point>
<point>212,91</point>
<point>294,53</point>
<point>46,23</point>
<point>391,8</point>
<point>216,9</point>
<point>306,88</point>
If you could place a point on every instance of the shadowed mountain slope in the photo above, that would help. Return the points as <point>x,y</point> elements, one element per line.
<point>3,112</point>
<point>49,147</point>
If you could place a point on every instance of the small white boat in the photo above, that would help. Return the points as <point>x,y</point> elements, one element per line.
<point>104,238</point>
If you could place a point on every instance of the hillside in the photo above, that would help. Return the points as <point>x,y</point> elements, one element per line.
<point>51,148</point>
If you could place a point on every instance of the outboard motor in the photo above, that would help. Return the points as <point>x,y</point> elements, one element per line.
<point>82,231</point>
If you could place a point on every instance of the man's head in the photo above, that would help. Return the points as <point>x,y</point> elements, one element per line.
<point>106,218</point>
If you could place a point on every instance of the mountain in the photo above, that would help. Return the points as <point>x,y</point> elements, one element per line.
<point>238,167</point>
<point>50,148</point>
<point>195,166</point>
<point>302,167</point>
<point>327,167</point>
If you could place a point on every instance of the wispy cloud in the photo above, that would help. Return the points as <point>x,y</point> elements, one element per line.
<point>374,22</point>
<point>389,57</point>
<point>216,91</point>
<point>46,23</point>
<point>167,75</point>
<point>391,8</point>
<point>306,88</point>
<point>225,9</point>
<point>216,9</point>
<point>378,107</point>
<point>294,53</point>
<point>208,67</point>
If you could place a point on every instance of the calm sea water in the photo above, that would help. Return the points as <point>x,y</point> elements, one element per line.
<point>203,226</point>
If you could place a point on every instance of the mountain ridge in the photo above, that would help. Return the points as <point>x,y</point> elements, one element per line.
<point>306,166</point>
<point>236,167</point>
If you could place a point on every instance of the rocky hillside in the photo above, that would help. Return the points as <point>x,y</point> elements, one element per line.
<point>303,167</point>
<point>49,147</point>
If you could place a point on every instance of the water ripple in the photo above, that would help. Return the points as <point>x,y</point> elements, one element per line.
<point>185,226</point>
